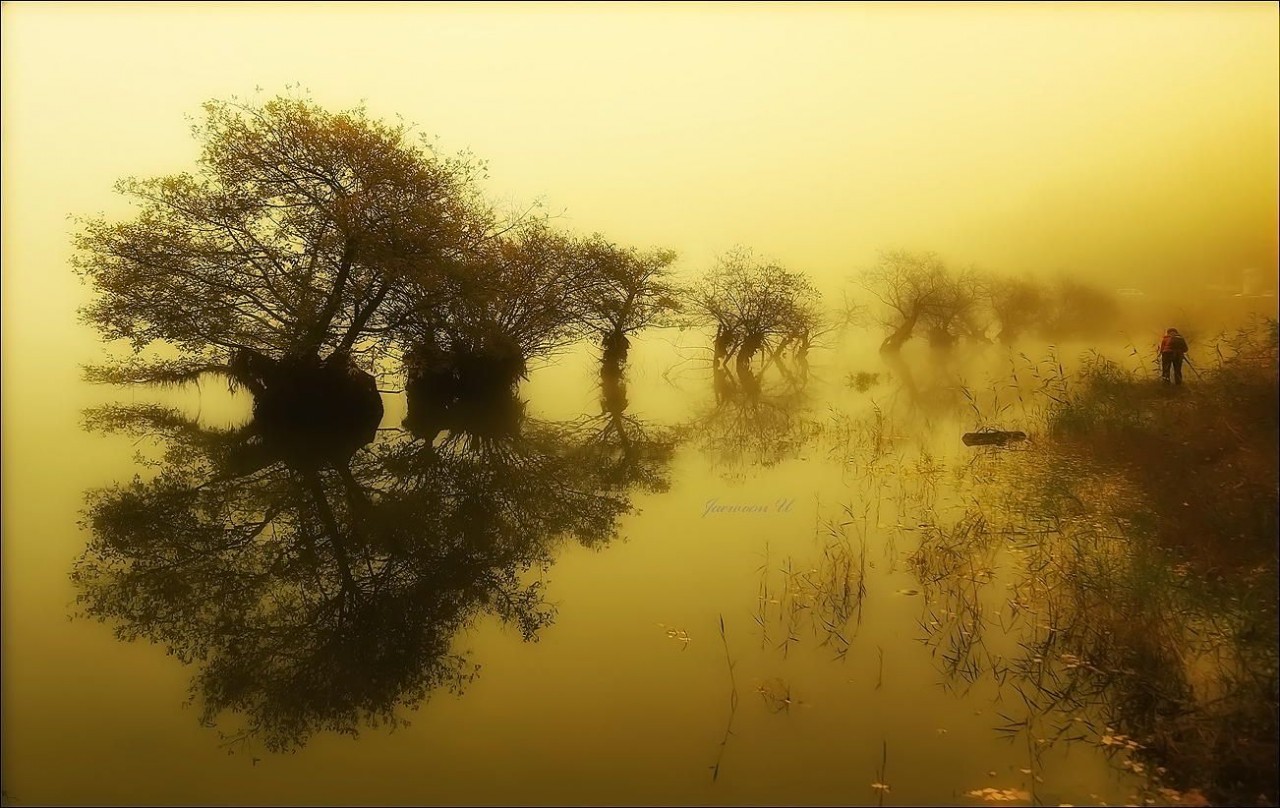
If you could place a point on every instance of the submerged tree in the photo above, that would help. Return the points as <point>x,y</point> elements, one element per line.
<point>1062,309</point>
<point>518,295</point>
<point>1078,309</point>
<point>1017,305</point>
<point>273,261</point>
<point>754,304</point>
<point>632,291</point>
<point>908,285</point>
<point>956,311</point>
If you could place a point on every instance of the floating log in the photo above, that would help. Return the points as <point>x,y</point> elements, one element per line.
<point>992,437</point>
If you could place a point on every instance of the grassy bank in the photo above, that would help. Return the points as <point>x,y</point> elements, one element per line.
<point>1199,463</point>
<point>1203,453</point>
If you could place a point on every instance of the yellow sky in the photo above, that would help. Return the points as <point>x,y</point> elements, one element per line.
<point>1123,142</point>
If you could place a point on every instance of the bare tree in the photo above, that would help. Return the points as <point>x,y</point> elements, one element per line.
<point>907,285</point>
<point>754,303</point>
<point>956,310</point>
<point>1016,304</point>
<point>1078,309</point>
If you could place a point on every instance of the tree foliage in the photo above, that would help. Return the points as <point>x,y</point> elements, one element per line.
<point>633,290</point>
<point>286,241</point>
<point>754,303</point>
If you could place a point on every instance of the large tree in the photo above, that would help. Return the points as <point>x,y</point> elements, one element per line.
<point>278,254</point>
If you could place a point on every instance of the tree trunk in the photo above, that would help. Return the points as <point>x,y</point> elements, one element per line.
<point>307,411</point>
<point>894,342</point>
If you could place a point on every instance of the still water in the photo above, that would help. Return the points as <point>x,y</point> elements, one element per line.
<point>792,587</point>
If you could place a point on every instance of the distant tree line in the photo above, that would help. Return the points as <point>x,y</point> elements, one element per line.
<point>919,295</point>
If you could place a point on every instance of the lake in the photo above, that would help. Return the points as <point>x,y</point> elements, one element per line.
<point>790,586</point>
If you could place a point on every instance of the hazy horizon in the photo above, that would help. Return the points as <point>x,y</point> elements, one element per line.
<point>1120,144</point>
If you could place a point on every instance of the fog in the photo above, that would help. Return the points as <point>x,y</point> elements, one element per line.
<point>1130,145</point>
<point>979,217</point>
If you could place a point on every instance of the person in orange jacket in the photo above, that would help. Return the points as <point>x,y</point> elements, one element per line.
<point>1172,350</point>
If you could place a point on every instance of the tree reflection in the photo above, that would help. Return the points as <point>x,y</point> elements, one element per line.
<point>938,395</point>
<point>758,419</point>
<point>321,590</point>
<point>1171,671</point>
<point>627,451</point>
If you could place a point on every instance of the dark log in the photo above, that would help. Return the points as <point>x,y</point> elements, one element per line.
<point>992,437</point>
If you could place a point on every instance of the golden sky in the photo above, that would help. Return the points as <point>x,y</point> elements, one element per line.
<point>1120,142</point>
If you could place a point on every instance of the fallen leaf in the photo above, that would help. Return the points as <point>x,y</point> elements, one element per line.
<point>1000,794</point>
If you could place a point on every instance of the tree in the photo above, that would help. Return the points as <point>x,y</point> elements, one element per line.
<point>907,284</point>
<point>955,310</point>
<point>1017,304</point>
<point>632,290</point>
<point>520,294</point>
<point>1078,309</point>
<point>752,303</point>
<point>274,260</point>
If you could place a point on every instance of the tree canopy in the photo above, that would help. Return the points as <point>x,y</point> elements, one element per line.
<point>287,239</point>
<point>753,302</point>
<point>308,238</point>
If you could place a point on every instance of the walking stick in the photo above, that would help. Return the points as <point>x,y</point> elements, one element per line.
<point>1193,367</point>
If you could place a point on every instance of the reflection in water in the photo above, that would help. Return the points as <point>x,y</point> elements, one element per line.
<point>320,585</point>
<point>758,419</point>
<point>937,396</point>
<point>1043,588</point>
<point>322,592</point>
<point>1117,644</point>
<point>627,451</point>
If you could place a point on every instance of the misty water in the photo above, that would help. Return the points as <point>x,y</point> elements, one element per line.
<point>791,585</point>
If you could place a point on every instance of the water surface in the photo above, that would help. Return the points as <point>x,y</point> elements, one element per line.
<point>793,586</point>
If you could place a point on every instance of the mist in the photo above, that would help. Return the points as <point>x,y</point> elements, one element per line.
<point>1135,145</point>
<point>807,378</point>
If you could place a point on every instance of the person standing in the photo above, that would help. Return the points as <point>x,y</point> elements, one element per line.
<point>1173,348</point>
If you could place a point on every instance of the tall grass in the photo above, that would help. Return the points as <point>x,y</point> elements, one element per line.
<point>1146,593</point>
<point>1120,580</point>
